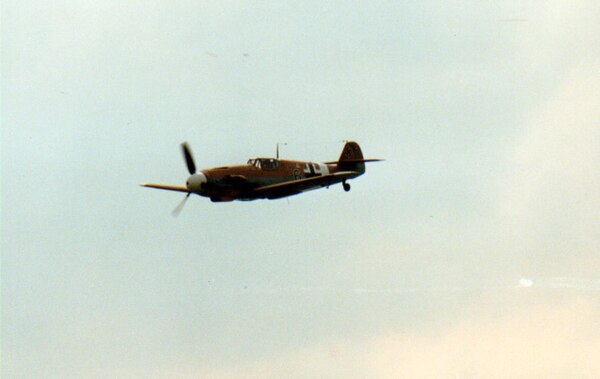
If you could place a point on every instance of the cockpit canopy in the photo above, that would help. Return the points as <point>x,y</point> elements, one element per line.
<point>264,163</point>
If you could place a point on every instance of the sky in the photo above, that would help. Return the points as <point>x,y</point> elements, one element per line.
<point>472,251</point>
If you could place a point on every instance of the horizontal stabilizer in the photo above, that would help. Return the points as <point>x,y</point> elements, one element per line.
<point>356,161</point>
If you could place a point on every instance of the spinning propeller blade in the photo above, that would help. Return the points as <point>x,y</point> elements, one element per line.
<point>179,206</point>
<point>189,159</point>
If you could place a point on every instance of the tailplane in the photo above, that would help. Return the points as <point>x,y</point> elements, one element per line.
<point>352,158</point>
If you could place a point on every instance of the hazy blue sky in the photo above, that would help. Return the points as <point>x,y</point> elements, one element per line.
<point>473,251</point>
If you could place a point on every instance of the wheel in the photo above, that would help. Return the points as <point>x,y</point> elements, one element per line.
<point>346,187</point>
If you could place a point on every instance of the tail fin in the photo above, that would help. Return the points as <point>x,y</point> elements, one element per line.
<point>351,158</point>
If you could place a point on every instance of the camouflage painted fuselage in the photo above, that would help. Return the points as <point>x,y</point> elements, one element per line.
<point>238,182</point>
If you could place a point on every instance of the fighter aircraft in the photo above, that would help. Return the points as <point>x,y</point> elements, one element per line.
<point>268,178</point>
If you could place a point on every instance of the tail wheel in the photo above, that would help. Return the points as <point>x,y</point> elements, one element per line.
<point>346,186</point>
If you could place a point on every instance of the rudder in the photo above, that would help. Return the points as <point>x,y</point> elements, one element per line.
<point>351,158</point>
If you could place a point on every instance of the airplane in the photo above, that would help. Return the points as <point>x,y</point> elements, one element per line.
<point>268,178</point>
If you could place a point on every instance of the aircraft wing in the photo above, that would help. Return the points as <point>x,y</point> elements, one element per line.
<point>167,187</point>
<point>294,187</point>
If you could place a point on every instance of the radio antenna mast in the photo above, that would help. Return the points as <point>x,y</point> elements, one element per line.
<point>277,150</point>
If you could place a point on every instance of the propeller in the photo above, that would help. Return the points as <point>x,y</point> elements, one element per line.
<point>179,206</point>
<point>189,159</point>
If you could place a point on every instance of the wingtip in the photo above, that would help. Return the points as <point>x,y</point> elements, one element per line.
<point>168,187</point>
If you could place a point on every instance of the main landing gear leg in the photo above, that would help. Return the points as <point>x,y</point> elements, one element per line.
<point>346,186</point>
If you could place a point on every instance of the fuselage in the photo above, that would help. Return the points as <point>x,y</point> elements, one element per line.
<point>228,183</point>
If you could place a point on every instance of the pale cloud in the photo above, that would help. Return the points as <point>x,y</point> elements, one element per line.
<point>539,340</point>
<point>554,32</point>
<point>553,183</point>
<point>552,189</point>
